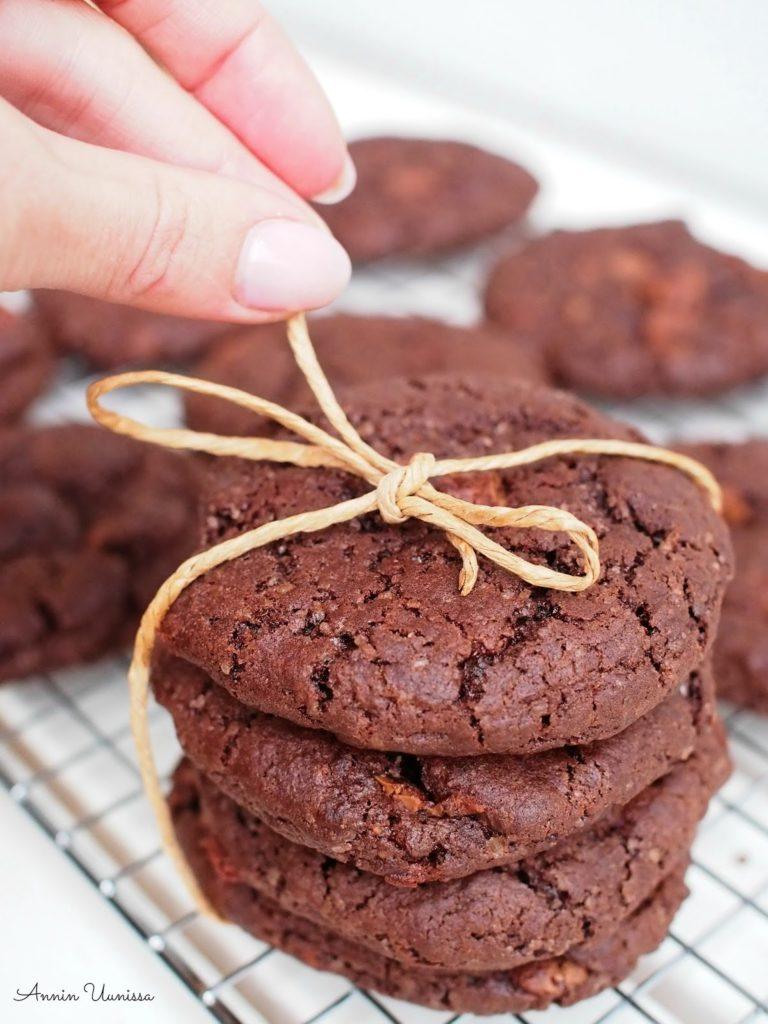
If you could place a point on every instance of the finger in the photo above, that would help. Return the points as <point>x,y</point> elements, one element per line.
<point>236,60</point>
<point>131,230</point>
<point>75,71</point>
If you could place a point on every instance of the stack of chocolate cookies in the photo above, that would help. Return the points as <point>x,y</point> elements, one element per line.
<point>480,803</point>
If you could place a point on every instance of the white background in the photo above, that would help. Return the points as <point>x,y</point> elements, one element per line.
<point>683,83</point>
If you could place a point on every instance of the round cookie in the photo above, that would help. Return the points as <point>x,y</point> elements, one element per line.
<point>639,310</point>
<point>352,350</point>
<point>360,629</point>
<point>90,526</point>
<point>420,819</point>
<point>741,648</point>
<point>586,969</point>
<point>26,364</point>
<point>418,197</point>
<point>108,335</point>
<point>492,920</point>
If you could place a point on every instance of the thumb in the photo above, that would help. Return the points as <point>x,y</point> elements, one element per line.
<point>131,230</point>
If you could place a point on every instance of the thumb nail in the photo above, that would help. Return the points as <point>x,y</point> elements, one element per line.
<point>287,265</point>
<point>341,188</point>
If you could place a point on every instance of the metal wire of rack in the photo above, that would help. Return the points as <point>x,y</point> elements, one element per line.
<point>66,758</point>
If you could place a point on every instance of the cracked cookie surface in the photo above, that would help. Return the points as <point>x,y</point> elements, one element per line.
<point>639,310</point>
<point>491,920</point>
<point>417,197</point>
<point>90,526</point>
<point>360,629</point>
<point>420,819</point>
<point>352,350</point>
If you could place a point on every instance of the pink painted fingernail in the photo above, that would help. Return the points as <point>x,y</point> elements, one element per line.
<point>289,265</point>
<point>341,188</point>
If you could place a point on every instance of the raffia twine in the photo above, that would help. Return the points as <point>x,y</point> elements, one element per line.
<point>398,493</point>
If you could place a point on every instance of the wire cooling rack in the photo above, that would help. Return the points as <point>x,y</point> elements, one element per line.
<point>66,754</point>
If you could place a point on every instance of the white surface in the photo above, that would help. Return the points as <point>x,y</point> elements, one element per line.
<point>59,933</point>
<point>62,933</point>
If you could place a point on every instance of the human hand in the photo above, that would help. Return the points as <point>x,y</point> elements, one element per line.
<point>159,153</point>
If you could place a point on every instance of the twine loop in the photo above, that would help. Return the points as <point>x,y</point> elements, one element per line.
<point>400,493</point>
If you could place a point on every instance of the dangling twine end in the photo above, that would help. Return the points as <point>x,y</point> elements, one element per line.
<point>398,493</point>
<point>138,681</point>
<point>466,583</point>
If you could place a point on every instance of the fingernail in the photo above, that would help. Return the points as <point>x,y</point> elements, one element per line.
<point>341,188</point>
<point>288,265</point>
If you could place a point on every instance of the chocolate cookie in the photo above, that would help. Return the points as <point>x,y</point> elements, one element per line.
<point>109,335</point>
<point>360,629</point>
<point>493,920</point>
<point>352,350</point>
<point>26,363</point>
<point>420,819</point>
<point>741,649</point>
<point>586,969</point>
<point>417,197</point>
<point>640,310</point>
<point>90,525</point>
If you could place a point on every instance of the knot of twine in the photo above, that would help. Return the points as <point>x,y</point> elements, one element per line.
<point>400,492</point>
<point>401,483</point>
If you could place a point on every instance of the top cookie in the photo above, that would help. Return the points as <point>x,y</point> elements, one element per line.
<point>108,335</point>
<point>636,310</point>
<point>352,350</point>
<point>741,649</point>
<point>360,629</point>
<point>26,363</point>
<point>416,197</point>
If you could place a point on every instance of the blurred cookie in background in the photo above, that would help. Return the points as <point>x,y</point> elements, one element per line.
<point>107,335</point>
<point>352,350</point>
<point>26,363</point>
<point>639,310</point>
<point>741,649</point>
<point>419,197</point>
<point>90,525</point>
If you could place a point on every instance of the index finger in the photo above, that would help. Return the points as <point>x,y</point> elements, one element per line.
<point>236,60</point>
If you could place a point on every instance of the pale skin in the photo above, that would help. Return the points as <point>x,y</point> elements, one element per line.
<point>162,154</point>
